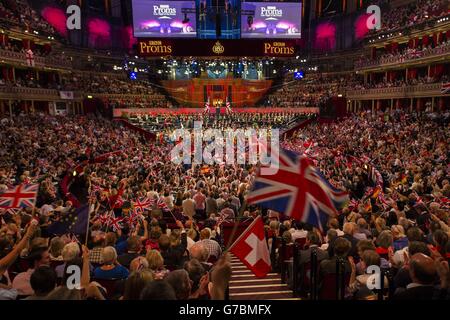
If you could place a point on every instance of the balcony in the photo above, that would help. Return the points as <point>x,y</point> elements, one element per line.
<point>404,33</point>
<point>19,58</point>
<point>422,57</point>
<point>37,94</point>
<point>418,91</point>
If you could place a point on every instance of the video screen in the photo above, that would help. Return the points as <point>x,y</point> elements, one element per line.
<point>271,20</point>
<point>164,19</point>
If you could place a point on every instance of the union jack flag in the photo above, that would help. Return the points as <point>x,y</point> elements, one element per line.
<point>143,203</point>
<point>163,205</point>
<point>104,219</point>
<point>115,223</point>
<point>21,196</point>
<point>445,89</point>
<point>298,190</point>
<point>353,204</point>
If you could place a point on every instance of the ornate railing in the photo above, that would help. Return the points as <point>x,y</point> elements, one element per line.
<point>24,93</point>
<point>418,56</point>
<point>422,90</point>
<point>20,57</point>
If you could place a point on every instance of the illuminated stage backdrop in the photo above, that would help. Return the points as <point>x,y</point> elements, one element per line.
<point>165,19</point>
<point>270,20</point>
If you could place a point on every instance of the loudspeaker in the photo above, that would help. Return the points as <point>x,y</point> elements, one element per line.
<point>218,25</point>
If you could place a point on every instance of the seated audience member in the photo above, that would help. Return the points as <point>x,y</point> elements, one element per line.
<point>400,239</point>
<point>199,279</point>
<point>156,264</point>
<point>413,234</point>
<point>362,232</point>
<point>384,243</point>
<point>173,248</point>
<point>402,278</point>
<point>158,290</point>
<point>299,231</point>
<point>43,281</point>
<point>138,264</point>
<point>422,270</point>
<point>37,258</point>
<point>135,284</point>
<point>69,253</point>
<point>341,249</point>
<point>349,230</point>
<point>133,251</point>
<point>110,269</point>
<point>56,248</point>
<point>334,224</point>
<point>212,246</point>
<point>200,252</point>
<point>312,243</point>
<point>180,282</point>
<point>329,240</point>
<point>358,283</point>
<point>95,255</point>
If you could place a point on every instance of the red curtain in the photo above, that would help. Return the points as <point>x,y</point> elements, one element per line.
<point>436,70</point>
<point>388,47</point>
<point>3,39</point>
<point>411,43</point>
<point>412,73</point>
<point>27,44</point>
<point>394,47</point>
<point>373,53</point>
<point>425,40</point>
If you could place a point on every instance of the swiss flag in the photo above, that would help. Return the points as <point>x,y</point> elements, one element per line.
<point>251,248</point>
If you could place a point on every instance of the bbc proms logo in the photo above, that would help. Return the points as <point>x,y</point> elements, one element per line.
<point>164,10</point>
<point>271,11</point>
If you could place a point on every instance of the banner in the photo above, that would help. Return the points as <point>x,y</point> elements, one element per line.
<point>66,95</point>
<point>217,48</point>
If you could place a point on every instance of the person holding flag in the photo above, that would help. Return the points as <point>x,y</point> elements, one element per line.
<point>207,107</point>
<point>228,106</point>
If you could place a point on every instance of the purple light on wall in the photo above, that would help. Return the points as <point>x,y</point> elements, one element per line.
<point>99,33</point>
<point>128,39</point>
<point>56,18</point>
<point>325,36</point>
<point>361,26</point>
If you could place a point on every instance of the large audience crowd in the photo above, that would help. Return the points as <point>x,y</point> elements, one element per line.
<point>406,55</point>
<point>394,166</point>
<point>412,14</point>
<point>21,14</point>
<point>310,92</point>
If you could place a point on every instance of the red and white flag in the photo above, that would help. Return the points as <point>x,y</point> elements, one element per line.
<point>251,248</point>
<point>30,58</point>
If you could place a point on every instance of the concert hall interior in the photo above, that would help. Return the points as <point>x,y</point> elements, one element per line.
<point>224,150</point>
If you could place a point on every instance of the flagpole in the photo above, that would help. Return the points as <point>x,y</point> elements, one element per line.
<point>89,214</point>
<point>236,224</point>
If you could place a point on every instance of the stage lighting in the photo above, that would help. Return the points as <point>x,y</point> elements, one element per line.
<point>133,76</point>
<point>298,75</point>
